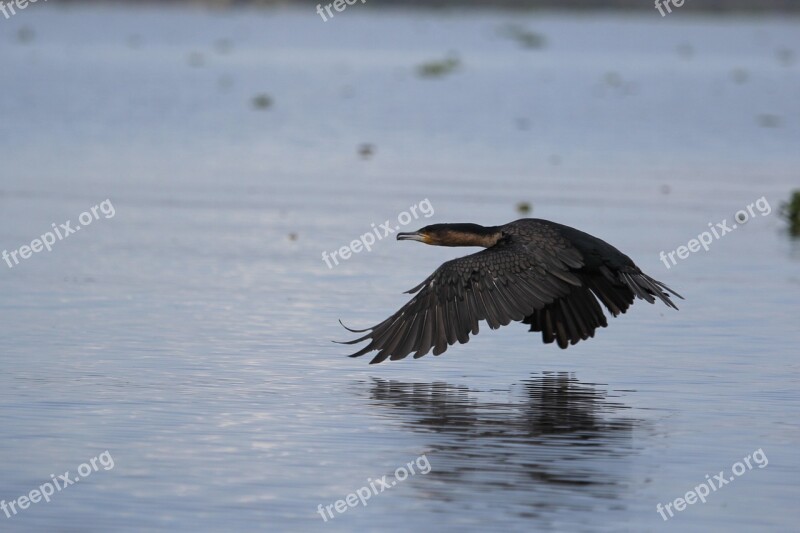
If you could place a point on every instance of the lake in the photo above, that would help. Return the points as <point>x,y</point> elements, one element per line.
<point>185,330</point>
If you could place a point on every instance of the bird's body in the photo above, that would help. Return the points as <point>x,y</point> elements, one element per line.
<point>534,271</point>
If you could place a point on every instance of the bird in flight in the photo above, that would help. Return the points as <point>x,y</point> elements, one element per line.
<point>543,274</point>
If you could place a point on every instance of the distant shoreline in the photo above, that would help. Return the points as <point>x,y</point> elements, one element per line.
<point>697,6</point>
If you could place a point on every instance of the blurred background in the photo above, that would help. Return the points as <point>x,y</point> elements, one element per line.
<point>189,334</point>
<point>710,5</point>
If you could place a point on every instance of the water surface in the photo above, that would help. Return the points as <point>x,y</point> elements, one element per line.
<point>189,334</point>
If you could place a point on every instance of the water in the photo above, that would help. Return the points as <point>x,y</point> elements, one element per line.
<point>189,334</point>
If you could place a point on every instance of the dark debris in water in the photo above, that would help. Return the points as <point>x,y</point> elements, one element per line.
<point>262,101</point>
<point>685,50</point>
<point>439,68</point>
<point>225,82</point>
<point>26,34</point>
<point>613,79</point>
<point>223,46</point>
<point>785,57</point>
<point>613,83</point>
<point>524,37</point>
<point>524,208</point>
<point>740,75</point>
<point>366,150</point>
<point>196,59</point>
<point>767,120</point>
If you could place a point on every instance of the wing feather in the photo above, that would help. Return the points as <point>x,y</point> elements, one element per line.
<point>497,285</point>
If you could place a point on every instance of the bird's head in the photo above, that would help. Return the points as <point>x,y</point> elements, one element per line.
<point>454,235</point>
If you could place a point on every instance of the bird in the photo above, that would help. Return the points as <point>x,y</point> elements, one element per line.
<point>546,275</point>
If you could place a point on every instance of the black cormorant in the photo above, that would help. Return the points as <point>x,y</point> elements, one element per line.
<point>533,271</point>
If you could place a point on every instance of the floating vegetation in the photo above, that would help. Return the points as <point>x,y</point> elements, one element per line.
<point>262,101</point>
<point>437,69</point>
<point>223,46</point>
<point>785,56</point>
<point>25,34</point>
<point>740,75</point>
<point>613,79</point>
<point>366,150</point>
<point>791,212</point>
<point>196,59</point>
<point>524,208</point>
<point>685,50</point>
<point>225,82</point>
<point>769,121</point>
<point>524,37</point>
<point>613,83</point>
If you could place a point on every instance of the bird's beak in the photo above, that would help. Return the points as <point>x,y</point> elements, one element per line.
<point>413,236</point>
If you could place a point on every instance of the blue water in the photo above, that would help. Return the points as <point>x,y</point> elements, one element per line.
<point>189,334</point>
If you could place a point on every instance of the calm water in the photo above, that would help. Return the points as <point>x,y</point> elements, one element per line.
<point>189,334</point>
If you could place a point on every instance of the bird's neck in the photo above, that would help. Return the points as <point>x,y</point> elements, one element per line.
<point>472,235</point>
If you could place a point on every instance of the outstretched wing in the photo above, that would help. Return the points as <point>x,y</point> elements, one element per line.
<point>575,317</point>
<point>505,283</point>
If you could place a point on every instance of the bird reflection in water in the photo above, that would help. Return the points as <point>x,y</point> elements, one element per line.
<point>565,447</point>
